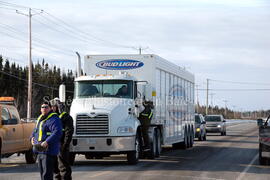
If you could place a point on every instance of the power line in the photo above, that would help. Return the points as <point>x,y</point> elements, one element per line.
<point>42,85</point>
<point>234,89</point>
<point>233,82</point>
<point>15,5</point>
<point>86,35</point>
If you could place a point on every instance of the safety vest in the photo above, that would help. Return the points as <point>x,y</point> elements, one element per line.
<point>39,125</point>
<point>149,116</point>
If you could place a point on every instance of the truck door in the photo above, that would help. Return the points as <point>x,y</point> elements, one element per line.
<point>5,116</point>
<point>17,128</point>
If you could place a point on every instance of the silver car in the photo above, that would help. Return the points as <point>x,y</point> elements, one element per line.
<point>215,124</point>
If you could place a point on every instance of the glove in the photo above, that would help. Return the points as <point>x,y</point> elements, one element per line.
<point>38,147</point>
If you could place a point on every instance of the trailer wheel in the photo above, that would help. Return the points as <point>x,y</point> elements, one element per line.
<point>30,157</point>
<point>158,144</point>
<point>192,138</point>
<point>262,160</point>
<point>188,139</point>
<point>183,145</point>
<point>133,156</point>
<point>72,158</point>
<point>153,147</point>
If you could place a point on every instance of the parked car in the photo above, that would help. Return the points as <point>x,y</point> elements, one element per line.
<point>200,127</point>
<point>264,141</point>
<point>215,124</point>
<point>14,133</point>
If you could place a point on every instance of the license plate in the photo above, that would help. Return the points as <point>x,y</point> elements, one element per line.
<point>92,141</point>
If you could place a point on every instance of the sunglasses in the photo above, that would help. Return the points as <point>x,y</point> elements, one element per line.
<point>44,107</point>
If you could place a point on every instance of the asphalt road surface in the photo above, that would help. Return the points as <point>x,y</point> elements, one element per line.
<point>234,156</point>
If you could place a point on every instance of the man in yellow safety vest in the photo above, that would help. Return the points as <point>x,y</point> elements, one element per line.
<point>46,140</point>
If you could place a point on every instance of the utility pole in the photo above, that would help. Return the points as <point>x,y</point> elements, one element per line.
<point>29,97</point>
<point>207,92</point>
<point>234,111</point>
<point>225,101</point>
<point>212,94</point>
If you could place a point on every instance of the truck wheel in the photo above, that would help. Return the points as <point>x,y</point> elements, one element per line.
<point>153,147</point>
<point>191,138</point>
<point>184,145</point>
<point>158,140</point>
<point>30,157</point>
<point>263,161</point>
<point>72,158</point>
<point>188,139</point>
<point>133,156</point>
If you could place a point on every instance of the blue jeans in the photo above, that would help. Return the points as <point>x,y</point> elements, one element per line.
<point>46,165</point>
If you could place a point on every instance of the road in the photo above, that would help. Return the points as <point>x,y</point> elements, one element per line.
<point>234,156</point>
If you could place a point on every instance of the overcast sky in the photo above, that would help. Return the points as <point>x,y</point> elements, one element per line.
<point>225,40</point>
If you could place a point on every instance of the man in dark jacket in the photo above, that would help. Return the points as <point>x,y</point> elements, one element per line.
<point>145,120</point>
<point>62,168</point>
<point>46,140</point>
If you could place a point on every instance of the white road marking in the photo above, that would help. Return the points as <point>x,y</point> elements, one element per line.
<point>180,176</point>
<point>243,173</point>
<point>100,174</point>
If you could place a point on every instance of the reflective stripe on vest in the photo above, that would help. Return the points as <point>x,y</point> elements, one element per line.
<point>62,114</point>
<point>40,125</point>
<point>150,115</point>
<point>147,115</point>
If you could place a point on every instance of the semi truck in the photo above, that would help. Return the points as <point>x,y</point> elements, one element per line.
<point>109,98</point>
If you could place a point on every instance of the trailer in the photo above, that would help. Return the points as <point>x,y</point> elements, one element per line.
<point>107,122</point>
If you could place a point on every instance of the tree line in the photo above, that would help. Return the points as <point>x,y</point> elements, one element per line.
<point>231,114</point>
<point>46,81</point>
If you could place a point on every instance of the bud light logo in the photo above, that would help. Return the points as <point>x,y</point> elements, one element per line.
<point>119,64</point>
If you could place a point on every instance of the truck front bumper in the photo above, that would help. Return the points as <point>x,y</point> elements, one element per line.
<point>102,144</point>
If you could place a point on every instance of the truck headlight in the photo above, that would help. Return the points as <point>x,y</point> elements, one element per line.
<point>125,129</point>
<point>218,126</point>
<point>198,129</point>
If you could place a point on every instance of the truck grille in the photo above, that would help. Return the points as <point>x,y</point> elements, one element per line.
<point>87,125</point>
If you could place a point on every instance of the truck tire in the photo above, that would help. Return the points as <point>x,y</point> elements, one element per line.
<point>192,138</point>
<point>262,161</point>
<point>133,156</point>
<point>72,158</point>
<point>182,145</point>
<point>188,139</point>
<point>153,147</point>
<point>158,144</point>
<point>30,157</point>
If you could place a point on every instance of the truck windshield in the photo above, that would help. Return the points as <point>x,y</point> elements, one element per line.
<point>104,88</point>
<point>213,118</point>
